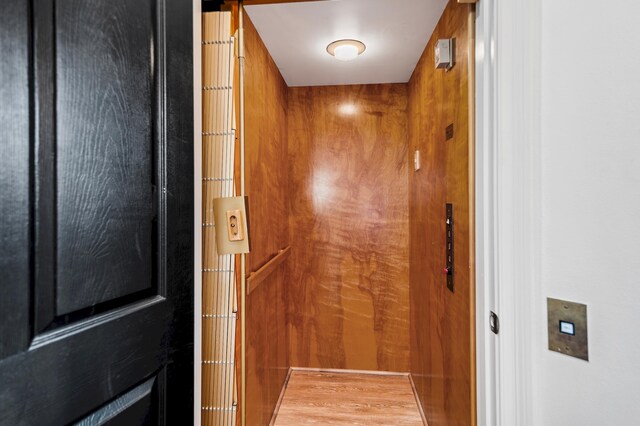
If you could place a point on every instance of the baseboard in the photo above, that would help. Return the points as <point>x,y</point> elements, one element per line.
<point>340,370</point>
<point>415,394</point>
<point>277,408</point>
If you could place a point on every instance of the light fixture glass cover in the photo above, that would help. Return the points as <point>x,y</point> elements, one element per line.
<point>346,50</point>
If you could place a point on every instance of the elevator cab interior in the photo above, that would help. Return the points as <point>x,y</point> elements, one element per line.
<point>357,163</point>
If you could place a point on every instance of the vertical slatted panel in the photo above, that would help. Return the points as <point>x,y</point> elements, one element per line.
<point>219,306</point>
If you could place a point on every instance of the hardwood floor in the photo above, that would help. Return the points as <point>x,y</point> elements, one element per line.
<point>347,398</point>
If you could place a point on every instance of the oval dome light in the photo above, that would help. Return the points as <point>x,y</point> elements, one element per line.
<point>346,50</point>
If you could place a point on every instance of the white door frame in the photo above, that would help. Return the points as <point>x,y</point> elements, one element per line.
<point>197,210</point>
<point>508,40</point>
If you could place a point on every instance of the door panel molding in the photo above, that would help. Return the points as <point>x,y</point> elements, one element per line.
<point>134,407</point>
<point>89,368</point>
<point>15,232</point>
<point>105,147</point>
<point>97,320</point>
<point>47,284</point>
<point>44,201</point>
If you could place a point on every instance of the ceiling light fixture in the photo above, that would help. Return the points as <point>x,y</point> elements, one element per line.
<point>346,50</point>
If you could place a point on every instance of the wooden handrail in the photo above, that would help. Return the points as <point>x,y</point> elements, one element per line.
<point>255,278</point>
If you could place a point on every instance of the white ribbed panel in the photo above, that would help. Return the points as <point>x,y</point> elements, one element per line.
<point>219,294</point>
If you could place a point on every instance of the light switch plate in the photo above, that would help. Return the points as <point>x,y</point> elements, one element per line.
<point>444,53</point>
<point>567,328</point>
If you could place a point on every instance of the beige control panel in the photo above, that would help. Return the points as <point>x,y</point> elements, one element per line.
<point>232,231</point>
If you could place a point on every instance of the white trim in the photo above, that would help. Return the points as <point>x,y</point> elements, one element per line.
<point>508,209</point>
<point>485,207</point>
<point>197,206</point>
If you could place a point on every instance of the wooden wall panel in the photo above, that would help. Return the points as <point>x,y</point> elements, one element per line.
<point>266,186</point>
<point>442,354</point>
<point>267,352</point>
<point>348,288</point>
<point>266,151</point>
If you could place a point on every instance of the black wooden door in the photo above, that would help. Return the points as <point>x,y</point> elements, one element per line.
<point>96,210</point>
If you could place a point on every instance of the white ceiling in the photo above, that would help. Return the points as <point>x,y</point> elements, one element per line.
<point>394,31</point>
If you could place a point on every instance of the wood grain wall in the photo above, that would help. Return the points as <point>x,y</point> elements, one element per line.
<point>266,186</point>
<point>442,330</point>
<point>348,287</point>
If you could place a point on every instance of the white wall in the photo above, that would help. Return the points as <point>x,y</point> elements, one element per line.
<point>590,202</point>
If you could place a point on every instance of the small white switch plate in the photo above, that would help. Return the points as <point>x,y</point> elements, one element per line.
<point>444,53</point>
<point>416,160</point>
